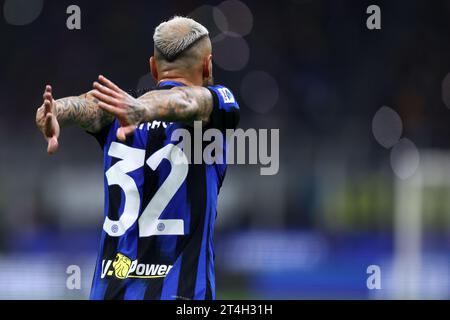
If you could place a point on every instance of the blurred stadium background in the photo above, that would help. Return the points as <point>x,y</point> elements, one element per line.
<point>364,125</point>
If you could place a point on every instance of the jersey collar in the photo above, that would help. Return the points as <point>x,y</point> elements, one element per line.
<point>171,84</point>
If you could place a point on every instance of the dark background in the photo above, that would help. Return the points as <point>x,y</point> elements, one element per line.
<point>316,73</point>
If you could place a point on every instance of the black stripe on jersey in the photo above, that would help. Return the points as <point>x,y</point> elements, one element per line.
<point>208,294</point>
<point>102,135</point>
<point>154,289</point>
<point>114,289</point>
<point>148,250</point>
<point>196,188</point>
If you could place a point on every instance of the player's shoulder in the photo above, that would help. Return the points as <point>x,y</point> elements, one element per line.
<point>140,91</point>
<point>224,96</point>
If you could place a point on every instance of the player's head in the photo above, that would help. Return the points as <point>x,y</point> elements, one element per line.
<point>182,49</point>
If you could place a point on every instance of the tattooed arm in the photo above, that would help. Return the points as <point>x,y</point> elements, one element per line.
<point>181,104</point>
<point>82,110</point>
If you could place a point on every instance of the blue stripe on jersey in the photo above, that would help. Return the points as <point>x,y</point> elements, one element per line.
<point>205,266</point>
<point>201,281</point>
<point>170,285</point>
<point>211,176</point>
<point>214,189</point>
<point>135,290</point>
<point>212,280</point>
<point>98,287</point>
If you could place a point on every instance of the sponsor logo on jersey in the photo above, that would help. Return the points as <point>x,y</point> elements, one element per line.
<point>122,267</point>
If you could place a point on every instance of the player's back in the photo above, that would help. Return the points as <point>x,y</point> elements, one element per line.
<point>160,210</point>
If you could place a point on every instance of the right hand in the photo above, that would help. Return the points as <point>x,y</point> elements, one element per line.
<point>128,110</point>
<point>47,122</point>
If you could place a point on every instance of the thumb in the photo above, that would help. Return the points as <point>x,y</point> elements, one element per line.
<point>52,145</point>
<point>123,132</point>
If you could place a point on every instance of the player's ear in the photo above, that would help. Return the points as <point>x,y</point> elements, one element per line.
<point>207,66</point>
<point>153,69</point>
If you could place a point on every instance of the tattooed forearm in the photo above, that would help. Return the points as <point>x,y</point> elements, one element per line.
<point>83,111</point>
<point>184,104</point>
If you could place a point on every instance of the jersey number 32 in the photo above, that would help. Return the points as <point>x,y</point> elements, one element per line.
<point>149,222</point>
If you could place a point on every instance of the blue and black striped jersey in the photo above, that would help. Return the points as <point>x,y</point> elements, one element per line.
<point>157,238</point>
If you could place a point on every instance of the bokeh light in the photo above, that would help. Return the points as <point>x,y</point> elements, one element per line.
<point>405,158</point>
<point>22,12</point>
<point>387,127</point>
<point>238,17</point>
<point>259,91</point>
<point>208,16</point>
<point>230,53</point>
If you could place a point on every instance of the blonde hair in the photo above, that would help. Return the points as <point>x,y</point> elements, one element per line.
<point>173,37</point>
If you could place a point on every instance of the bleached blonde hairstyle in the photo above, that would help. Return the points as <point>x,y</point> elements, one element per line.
<point>173,37</point>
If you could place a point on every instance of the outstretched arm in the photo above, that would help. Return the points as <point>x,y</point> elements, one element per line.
<point>182,104</point>
<point>81,110</point>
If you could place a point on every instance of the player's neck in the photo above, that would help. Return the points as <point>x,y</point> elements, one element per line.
<point>182,80</point>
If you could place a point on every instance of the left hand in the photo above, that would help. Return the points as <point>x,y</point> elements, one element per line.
<point>47,121</point>
<point>128,110</point>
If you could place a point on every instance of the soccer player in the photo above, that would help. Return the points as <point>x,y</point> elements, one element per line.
<point>157,238</point>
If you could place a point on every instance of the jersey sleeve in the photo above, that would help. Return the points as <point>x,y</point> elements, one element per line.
<point>225,113</point>
<point>102,135</point>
